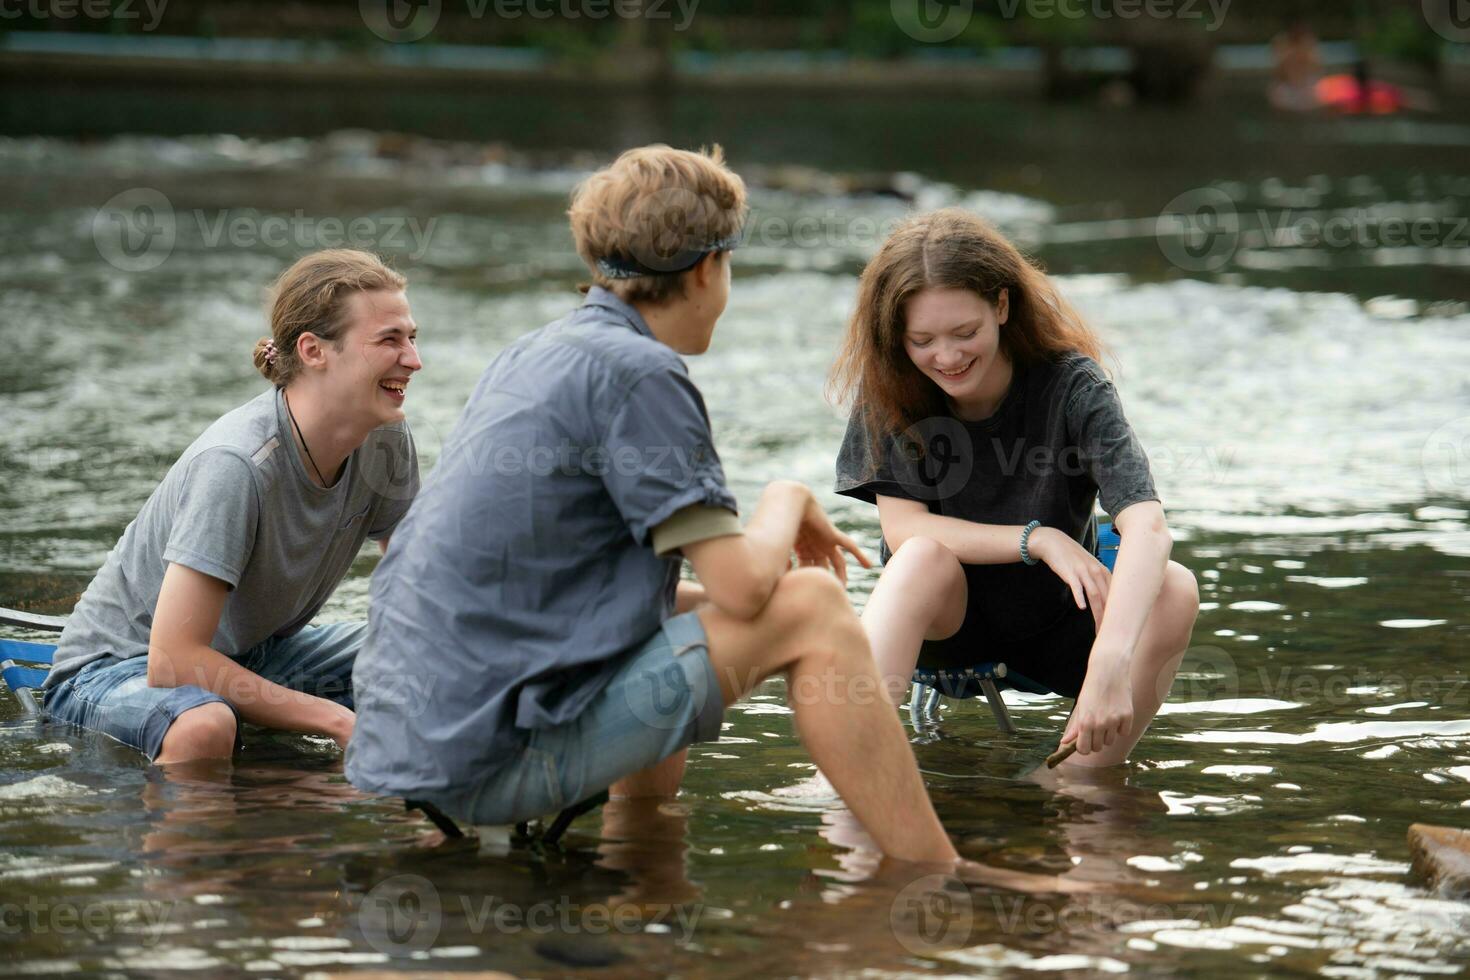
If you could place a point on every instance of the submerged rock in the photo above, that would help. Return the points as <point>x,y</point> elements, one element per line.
<point>1442,855</point>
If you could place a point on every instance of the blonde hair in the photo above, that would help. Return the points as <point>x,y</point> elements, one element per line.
<point>948,249</point>
<point>311,297</point>
<point>656,210</point>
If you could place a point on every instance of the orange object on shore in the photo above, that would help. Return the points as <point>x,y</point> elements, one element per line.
<point>1345,93</point>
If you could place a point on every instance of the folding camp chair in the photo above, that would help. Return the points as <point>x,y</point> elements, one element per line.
<point>23,665</point>
<point>986,679</point>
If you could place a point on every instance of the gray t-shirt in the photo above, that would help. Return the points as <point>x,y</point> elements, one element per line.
<point>1058,441</point>
<point>239,506</point>
<point>526,569</point>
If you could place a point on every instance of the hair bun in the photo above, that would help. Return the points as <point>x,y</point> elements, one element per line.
<point>265,357</point>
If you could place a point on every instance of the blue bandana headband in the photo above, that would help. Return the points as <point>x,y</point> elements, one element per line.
<point>626,267</point>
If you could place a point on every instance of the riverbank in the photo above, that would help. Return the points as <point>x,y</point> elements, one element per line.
<point>52,58</point>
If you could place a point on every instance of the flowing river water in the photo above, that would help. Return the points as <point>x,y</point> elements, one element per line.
<point>1304,402</point>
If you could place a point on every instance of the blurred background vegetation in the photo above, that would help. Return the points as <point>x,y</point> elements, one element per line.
<point>1390,28</point>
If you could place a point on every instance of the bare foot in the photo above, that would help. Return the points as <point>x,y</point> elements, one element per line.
<point>975,873</point>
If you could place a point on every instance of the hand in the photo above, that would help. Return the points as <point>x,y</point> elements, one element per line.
<point>821,545</point>
<point>1088,578</point>
<point>339,724</point>
<point>1104,710</point>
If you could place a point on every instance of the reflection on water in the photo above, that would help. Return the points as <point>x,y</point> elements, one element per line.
<point>1310,446</point>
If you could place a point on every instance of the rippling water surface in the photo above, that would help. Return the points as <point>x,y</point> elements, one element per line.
<point>1307,414</point>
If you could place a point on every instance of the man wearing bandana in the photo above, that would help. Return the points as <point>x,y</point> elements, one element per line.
<point>530,643</point>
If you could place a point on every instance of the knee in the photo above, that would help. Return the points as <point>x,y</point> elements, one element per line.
<point>924,557</point>
<point>804,594</point>
<point>1181,590</point>
<point>205,732</point>
<point>1178,604</point>
<point>812,602</point>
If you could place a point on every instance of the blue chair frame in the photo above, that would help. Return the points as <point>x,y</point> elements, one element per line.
<point>23,665</point>
<point>985,679</point>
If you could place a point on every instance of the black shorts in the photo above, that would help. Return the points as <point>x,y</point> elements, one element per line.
<point>1055,657</point>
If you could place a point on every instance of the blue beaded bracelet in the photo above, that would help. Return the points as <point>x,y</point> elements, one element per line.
<point>1025,537</point>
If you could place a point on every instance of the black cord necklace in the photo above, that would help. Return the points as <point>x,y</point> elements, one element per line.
<point>290,415</point>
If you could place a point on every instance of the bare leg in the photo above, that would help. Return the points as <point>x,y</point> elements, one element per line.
<point>920,596</point>
<point>809,632</point>
<point>205,732</point>
<point>1160,649</point>
<point>660,780</point>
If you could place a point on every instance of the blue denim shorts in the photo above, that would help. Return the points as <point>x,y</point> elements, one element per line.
<point>112,695</point>
<point>663,698</point>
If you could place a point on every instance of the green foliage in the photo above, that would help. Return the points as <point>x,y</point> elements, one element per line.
<point>1400,36</point>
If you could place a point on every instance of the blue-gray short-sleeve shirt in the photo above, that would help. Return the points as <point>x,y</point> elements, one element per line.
<point>525,568</point>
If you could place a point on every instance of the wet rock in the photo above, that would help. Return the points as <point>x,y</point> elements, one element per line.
<point>578,951</point>
<point>1442,856</point>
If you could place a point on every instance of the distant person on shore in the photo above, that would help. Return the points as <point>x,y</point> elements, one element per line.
<point>200,617</point>
<point>985,432</point>
<point>1298,67</point>
<point>533,593</point>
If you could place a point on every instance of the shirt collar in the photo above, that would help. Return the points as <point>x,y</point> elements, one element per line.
<point>597,296</point>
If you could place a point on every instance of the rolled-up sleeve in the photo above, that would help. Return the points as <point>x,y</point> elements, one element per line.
<point>659,454</point>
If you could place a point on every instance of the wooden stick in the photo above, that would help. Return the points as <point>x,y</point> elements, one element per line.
<point>1060,755</point>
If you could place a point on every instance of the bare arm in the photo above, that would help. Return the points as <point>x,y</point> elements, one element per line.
<point>1104,709</point>
<point>689,597</point>
<point>1138,575</point>
<point>179,653</point>
<point>972,543</point>
<point>739,572</point>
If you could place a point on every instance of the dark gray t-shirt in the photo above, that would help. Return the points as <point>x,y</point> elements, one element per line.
<point>526,569</point>
<point>239,507</point>
<point>1058,441</point>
